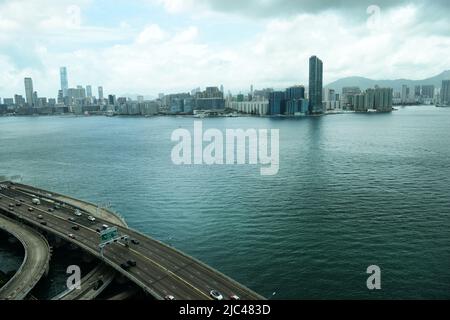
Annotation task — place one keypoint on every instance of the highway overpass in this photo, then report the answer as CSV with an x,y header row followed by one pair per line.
x,y
35,263
160,270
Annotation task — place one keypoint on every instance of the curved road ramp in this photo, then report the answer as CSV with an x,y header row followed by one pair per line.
x,y
160,270
35,263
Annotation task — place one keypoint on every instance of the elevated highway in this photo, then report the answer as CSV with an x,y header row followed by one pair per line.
x,y
35,263
160,270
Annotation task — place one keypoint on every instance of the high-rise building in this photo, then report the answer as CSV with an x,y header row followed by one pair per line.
x,y
29,91
276,100
296,92
445,92
100,93
405,94
315,85
89,91
19,100
428,91
64,81
417,91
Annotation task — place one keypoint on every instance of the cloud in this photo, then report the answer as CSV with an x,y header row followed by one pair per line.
x,y
175,57
278,8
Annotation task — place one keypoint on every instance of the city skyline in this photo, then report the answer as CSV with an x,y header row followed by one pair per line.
x,y
147,47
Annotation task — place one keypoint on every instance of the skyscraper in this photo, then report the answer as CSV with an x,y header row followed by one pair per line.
x,y
64,81
89,91
29,91
315,85
276,100
100,93
445,92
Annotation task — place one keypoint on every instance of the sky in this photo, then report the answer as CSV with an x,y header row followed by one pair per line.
x,y
152,46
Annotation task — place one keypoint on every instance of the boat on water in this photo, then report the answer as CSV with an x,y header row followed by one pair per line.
x,y
443,106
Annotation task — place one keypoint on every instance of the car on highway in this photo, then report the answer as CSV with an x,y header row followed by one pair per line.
x,y
124,266
51,210
77,213
56,207
131,263
75,227
40,217
98,230
98,284
36,201
234,297
134,241
18,204
216,295
91,218
11,205
169,297
30,209
72,219
43,223
105,226
71,235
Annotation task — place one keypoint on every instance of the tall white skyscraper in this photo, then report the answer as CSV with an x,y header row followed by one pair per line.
x,y
100,93
64,81
89,91
29,91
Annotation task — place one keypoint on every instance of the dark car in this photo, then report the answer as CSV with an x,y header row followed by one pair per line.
x,y
18,204
98,284
98,230
76,228
21,200
43,223
131,263
134,241
51,210
125,266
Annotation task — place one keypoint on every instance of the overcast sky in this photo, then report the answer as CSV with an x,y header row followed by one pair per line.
x,y
152,46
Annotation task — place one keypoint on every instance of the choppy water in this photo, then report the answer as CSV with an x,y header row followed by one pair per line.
x,y
352,191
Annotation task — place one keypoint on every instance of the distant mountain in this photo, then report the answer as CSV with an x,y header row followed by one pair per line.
x,y
365,83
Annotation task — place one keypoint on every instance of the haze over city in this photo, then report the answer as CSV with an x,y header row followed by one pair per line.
x,y
147,47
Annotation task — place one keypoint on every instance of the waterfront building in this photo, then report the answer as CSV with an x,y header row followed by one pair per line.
x,y
445,92
348,94
19,100
276,102
295,93
29,91
315,85
89,91
8,101
188,105
255,107
428,91
64,80
100,93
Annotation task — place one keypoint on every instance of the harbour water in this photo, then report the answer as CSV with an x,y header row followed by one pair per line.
x,y
353,190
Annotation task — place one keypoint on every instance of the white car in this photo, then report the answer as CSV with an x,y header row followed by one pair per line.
x,y
71,235
77,213
216,295
91,218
